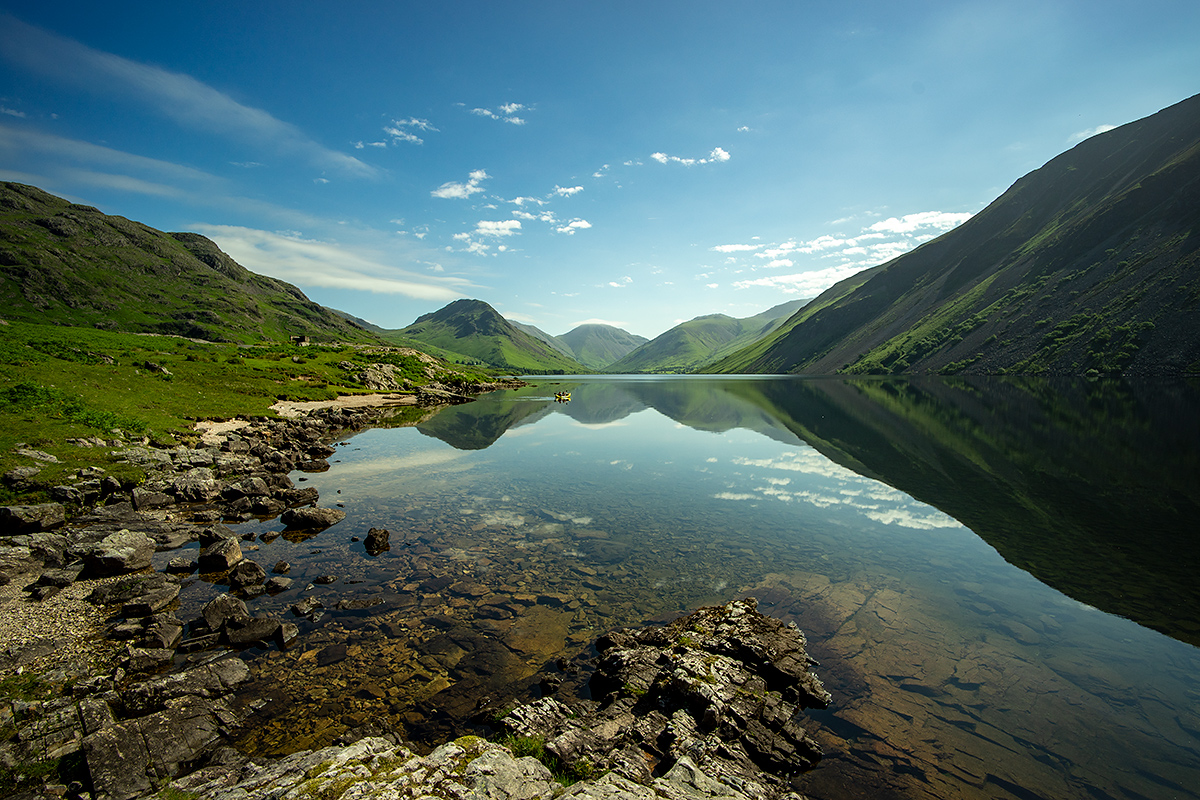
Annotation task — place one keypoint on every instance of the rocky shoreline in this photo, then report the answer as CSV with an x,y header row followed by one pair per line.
x,y
709,709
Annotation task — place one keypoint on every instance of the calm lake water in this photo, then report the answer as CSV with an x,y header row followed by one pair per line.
x,y
999,578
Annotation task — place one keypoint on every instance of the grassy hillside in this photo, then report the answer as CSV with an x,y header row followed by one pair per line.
x,y
73,265
1088,265
597,346
475,330
59,383
692,344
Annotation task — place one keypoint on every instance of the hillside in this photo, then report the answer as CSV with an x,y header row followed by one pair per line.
x,y
699,341
73,265
1088,265
597,346
476,330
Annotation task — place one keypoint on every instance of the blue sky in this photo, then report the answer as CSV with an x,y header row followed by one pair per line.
x,y
635,163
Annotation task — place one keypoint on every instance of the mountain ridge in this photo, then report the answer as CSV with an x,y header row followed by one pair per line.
x,y
1113,224
689,345
71,264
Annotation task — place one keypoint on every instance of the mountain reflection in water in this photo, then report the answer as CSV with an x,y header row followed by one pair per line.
x,y
838,503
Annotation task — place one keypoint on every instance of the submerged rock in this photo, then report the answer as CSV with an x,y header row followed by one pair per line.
x,y
311,518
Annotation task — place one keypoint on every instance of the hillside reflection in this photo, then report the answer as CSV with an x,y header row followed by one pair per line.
x,y
1092,487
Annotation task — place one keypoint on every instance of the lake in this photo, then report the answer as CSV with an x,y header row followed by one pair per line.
x,y
998,576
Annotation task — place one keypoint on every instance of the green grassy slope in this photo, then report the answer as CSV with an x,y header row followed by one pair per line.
x,y
475,330
692,344
59,383
1088,265
597,346
73,265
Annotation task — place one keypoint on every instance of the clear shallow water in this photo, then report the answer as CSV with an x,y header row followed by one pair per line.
x,y
523,528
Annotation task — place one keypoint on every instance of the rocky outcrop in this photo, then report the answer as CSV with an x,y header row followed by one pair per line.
x,y
722,688
468,767
31,519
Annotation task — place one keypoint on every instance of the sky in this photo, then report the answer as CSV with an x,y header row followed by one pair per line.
x,y
630,163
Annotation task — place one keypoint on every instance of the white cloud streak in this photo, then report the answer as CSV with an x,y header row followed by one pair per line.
x,y
308,262
453,190
188,102
716,156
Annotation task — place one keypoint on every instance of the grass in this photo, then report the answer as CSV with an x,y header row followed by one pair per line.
x,y
535,746
59,383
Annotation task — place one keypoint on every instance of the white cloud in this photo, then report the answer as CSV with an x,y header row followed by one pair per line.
x,y
506,227
308,262
733,248
399,130
940,220
190,103
453,190
573,225
567,191
507,113
1079,136
718,154
12,112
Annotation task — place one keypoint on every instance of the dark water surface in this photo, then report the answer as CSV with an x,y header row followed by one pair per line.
x,y
998,577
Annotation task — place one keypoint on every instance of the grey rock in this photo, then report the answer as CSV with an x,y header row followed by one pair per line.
x,y
221,609
123,551
311,518
246,573
220,556
151,602
197,485
31,519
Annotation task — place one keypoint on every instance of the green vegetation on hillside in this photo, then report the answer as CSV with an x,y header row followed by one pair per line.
x,y
59,383
690,345
73,265
474,330
1087,266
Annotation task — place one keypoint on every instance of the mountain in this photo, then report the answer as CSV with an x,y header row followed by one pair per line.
x,y
597,346
73,265
1088,265
538,333
474,329
699,341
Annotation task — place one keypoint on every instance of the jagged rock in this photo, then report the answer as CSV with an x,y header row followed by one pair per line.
x,y
723,686
197,485
123,551
311,518
278,584
151,602
377,541
30,519
124,591
253,632
220,556
221,609
246,573
148,499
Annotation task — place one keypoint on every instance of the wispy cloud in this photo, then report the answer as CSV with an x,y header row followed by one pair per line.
x,y
401,130
460,191
875,244
717,155
505,113
12,112
192,104
309,262
1079,136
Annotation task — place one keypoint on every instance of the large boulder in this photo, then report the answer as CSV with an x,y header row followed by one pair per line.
x,y
311,518
220,556
16,520
120,552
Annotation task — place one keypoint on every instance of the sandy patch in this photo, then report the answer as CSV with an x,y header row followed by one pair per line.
x,y
290,408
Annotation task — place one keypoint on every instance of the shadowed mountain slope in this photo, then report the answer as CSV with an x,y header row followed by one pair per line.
x,y
73,265
1088,265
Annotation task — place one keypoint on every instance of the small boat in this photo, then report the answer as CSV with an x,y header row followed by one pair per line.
x,y
562,397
